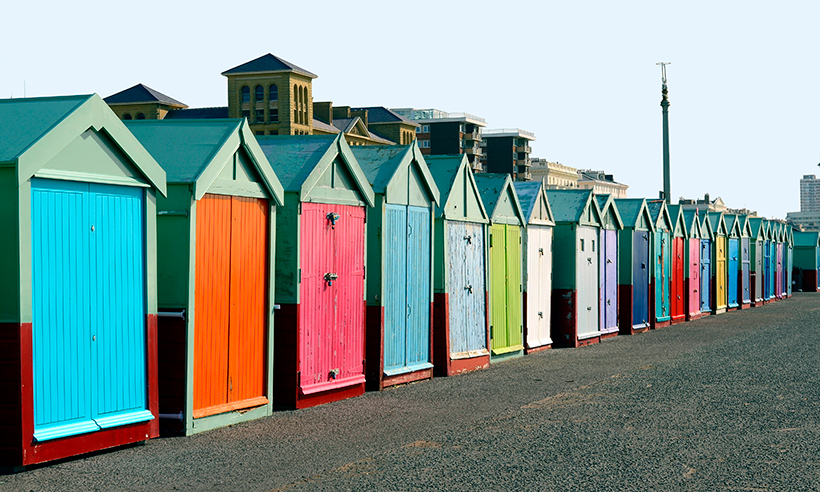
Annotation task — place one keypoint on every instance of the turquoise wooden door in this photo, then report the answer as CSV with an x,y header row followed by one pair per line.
x,y
88,307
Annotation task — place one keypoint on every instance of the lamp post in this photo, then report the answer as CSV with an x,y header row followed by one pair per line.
x,y
667,195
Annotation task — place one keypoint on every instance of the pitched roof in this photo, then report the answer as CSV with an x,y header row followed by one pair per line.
x,y
381,162
630,209
490,188
220,112
568,205
380,114
183,149
27,120
195,151
347,125
527,195
294,157
268,63
142,94
321,125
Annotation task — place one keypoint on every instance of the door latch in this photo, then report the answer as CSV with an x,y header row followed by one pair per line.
x,y
469,239
330,277
333,217
333,373
469,289
540,314
541,251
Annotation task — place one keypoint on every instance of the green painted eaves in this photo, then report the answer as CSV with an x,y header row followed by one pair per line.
x,y
631,210
445,170
568,206
807,239
31,144
529,193
606,206
660,214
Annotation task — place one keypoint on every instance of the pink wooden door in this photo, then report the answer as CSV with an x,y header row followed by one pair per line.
x,y
331,312
694,276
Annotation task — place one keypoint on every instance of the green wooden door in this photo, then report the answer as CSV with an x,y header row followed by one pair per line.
x,y
505,288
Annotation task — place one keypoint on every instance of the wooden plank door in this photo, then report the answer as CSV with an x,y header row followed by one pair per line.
x,y
677,296
513,288
720,273
608,280
758,270
418,275
395,280
694,276
538,249
745,267
587,281
732,267
768,285
475,273
662,267
705,275
230,320
348,301
640,279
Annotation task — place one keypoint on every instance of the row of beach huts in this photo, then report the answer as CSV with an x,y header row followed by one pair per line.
x,y
174,276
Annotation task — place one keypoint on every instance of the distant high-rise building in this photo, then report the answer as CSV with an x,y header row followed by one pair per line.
x,y
810,193
507,151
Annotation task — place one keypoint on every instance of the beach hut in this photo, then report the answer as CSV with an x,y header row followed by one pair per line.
x,y
694,234
575,300
633,265
506,223
660,314
757,237
536,264
732,261
770,259
777,238
745,268
807,258
78,280
400,255
677,280
788,251
215,251
608,264
460,323
719,290
320,266
706,247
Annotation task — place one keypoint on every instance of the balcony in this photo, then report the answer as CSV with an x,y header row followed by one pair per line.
x,y
522,163
523,176
474,150
472,136
523,148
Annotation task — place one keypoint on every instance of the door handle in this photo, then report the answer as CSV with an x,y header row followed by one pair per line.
x,y
330,277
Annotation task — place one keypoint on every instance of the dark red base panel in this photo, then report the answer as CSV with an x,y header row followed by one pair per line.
x,y
444,365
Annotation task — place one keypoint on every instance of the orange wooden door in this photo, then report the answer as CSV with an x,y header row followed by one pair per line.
x,y
231,299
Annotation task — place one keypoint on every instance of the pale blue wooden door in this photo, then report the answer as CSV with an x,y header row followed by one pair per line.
x,y
395,288
88,314
466,294
418,288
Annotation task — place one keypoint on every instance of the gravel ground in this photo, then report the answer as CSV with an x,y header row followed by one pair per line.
x,y
728,402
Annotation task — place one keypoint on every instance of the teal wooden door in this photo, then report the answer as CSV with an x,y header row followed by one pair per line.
x,y
88,307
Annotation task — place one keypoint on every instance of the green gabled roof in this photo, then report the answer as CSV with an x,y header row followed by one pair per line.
x,y
757,226
25,121
34,130
445,170
529,192
718,224
691,221
660,213
706,227
195,151
732,225
679,224
381,164
808,239
745,226
300,160
606,205
491,187
568,206
631,209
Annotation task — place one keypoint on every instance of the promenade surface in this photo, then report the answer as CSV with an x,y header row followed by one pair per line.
x,y
726,403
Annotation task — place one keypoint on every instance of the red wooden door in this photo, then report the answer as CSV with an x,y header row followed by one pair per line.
x,y
677,298
230,304
331,312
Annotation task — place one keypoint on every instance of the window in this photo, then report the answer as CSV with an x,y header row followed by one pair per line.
x,y
260,93
593,245
425,129
260,116
246,113
418,129
274,115
260,132
140,116
424,144
246,94
126,116
274,132
273,94
582,244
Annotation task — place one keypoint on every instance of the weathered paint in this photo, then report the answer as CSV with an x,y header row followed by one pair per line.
x,y
768,279
633,265
693,256
719,275
331,343
677,291
538,283
745,271
608,287
587,275
663,264
780,272
468,328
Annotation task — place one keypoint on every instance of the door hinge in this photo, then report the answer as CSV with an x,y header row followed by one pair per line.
x,y
299,208
364,272
300,275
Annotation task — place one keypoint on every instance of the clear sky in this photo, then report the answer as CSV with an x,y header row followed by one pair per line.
x,y
581,75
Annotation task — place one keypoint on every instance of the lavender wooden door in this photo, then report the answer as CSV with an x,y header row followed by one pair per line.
x,y
608,258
